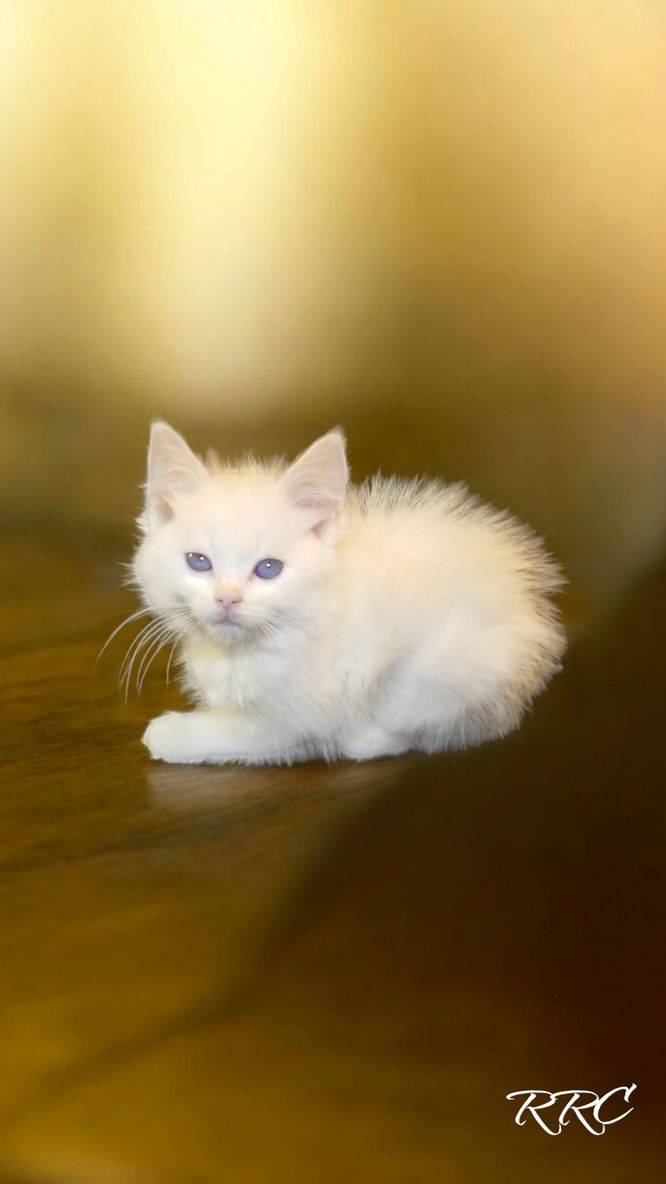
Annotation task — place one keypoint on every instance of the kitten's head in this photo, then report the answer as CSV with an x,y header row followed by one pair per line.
x,y
240,552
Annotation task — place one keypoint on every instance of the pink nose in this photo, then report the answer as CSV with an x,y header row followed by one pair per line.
x,y
228,601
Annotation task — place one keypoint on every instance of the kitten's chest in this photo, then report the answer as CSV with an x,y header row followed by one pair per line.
x,y
240,680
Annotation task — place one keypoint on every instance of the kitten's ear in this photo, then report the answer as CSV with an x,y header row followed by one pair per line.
x,y
172,469
318,478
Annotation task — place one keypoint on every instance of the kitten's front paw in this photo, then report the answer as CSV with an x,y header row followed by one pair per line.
x,y
168,738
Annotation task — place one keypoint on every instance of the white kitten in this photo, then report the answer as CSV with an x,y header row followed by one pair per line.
x,y
319,619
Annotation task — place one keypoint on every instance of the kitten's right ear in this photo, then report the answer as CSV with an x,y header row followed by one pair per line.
x,y
173,469
317,479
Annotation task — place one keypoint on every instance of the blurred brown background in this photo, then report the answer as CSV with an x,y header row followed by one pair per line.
x,y
440,224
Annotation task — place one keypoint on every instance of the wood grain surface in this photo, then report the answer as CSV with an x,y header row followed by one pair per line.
x,y
319,974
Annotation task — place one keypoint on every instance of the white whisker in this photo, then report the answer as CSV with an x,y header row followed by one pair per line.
x,y
142,612
145,637
172,630
171,657
149,657
133,648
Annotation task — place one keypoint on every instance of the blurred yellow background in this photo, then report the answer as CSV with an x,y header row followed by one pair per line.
x,y
439,224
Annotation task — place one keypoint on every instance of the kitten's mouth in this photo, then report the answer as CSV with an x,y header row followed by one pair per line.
x,y
224,624
228,629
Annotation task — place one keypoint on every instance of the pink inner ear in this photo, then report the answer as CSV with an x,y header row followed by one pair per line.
x,y
317,479
316,503
164,506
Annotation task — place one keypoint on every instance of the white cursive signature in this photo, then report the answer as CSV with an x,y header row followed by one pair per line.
x,y
567,1102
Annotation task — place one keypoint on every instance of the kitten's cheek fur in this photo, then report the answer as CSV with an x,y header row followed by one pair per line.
x,y
168,738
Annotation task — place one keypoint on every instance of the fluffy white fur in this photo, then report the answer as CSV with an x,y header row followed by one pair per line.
x,y
408,615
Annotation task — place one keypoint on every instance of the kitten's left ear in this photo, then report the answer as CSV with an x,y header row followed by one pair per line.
x,y
318,478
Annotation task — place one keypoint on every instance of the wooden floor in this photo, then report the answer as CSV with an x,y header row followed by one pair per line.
x,y
314,975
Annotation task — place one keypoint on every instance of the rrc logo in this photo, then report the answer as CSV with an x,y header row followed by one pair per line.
x,y
593,1112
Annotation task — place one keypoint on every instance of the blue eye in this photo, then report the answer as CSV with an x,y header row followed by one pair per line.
x,y
268,569
198,562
